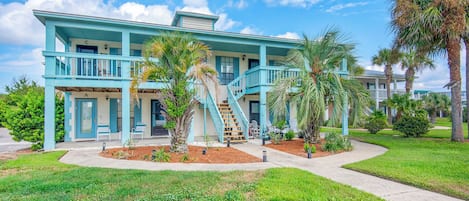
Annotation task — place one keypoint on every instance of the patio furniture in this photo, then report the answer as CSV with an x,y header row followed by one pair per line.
x,y
103,130
138,130
254,129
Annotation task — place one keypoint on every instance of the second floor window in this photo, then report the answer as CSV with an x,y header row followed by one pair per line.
x,y
227,73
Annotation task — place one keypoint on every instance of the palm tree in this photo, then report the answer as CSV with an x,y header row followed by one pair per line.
x,y
319,84
435,27
403,104
412,62
180,64
434,102
465,38
387,58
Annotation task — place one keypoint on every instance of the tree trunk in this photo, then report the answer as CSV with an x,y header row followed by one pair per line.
x,y
388,74
409,80
454,63
466,43
312,134
433,117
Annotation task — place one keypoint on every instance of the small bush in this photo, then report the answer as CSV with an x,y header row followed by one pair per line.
x,y
376,122
275,137
289,135
162,156
337,142
307,146
413,125
185,157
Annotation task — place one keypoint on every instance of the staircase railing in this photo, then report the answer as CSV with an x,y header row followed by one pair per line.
x,y
238,111
204,96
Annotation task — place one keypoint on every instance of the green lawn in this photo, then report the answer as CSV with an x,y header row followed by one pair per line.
x,y
42,177
431,163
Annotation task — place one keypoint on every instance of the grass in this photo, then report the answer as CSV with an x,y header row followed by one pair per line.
x,y
42,177
430,163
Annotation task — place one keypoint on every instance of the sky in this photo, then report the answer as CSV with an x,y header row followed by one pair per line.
x,y
364,22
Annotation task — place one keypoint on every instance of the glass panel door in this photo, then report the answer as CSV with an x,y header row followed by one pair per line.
x,y
157,120
254,111
86,118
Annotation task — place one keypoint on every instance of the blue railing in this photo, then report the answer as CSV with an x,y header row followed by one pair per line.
x,y
238,112
92,66
216,116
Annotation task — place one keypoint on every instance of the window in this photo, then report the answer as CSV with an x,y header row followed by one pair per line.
x,y
227,73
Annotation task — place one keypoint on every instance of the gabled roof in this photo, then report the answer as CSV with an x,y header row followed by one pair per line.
x,y
180,14
380,74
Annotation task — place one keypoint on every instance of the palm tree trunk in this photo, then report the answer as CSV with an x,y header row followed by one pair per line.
x,y
466,43
388,74
409,79
312,134
454,63
433,117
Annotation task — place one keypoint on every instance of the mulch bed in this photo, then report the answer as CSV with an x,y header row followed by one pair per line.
x,y
296,147
213,155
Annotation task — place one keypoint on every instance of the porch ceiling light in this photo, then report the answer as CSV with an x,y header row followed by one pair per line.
x,y
244,57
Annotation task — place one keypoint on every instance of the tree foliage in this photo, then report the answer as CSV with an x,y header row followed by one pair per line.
x,y
23,113
435,102
376,122
319,86
179,64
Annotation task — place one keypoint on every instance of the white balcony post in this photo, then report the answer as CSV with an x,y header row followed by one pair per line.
x,y
395,86
377,93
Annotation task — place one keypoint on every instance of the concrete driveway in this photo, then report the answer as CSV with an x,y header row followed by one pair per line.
x,y
7,144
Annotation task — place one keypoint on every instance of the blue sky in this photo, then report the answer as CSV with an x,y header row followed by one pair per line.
x,y
364,22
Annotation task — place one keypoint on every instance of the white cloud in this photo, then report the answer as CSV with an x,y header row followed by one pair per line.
x,y
237,4
344,6
250,30
18,21
224,23
294,3
289,35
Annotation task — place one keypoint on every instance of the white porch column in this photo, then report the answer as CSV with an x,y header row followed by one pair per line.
x,y
377,93
395,86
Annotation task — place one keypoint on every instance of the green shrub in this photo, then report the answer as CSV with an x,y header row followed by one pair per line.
x,y
162,156
413,124
185,157
289,135
307,146
337,142
376,122
275,137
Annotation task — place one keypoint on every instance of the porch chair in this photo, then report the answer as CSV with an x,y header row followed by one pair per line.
x,y
254,129
138,130
103,130
271,128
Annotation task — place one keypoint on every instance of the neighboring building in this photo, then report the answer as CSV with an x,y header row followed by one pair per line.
x,y
375,81
94,73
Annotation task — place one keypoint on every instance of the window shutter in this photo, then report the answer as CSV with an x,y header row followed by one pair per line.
x,y
138,112
235,67
218,65
113,115
271,63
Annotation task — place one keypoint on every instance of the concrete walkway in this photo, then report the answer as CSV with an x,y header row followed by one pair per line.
x,y
8,145
329,167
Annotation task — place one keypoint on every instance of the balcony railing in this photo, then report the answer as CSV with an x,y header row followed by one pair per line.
x,y
382,93
92,66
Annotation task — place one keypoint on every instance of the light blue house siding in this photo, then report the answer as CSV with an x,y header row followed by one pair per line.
x,y
113,47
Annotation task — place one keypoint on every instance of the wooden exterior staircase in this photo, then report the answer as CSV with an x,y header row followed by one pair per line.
x,y
232,130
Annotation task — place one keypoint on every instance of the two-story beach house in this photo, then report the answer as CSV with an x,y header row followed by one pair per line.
x,y
95,70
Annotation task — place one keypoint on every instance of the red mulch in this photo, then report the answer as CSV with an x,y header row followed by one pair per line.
x,y
296,147
213,155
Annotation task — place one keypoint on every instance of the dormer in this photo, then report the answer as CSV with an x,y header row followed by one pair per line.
x,y
194,20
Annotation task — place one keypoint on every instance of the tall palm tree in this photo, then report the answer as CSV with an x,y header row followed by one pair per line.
x,y
319,84
434,102
179,56
465,38
435,27
388,58
412,62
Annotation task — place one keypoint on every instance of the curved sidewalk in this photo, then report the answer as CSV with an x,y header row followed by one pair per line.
x,y
329,167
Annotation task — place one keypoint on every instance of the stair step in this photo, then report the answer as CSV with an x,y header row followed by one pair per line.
x,y
236,141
